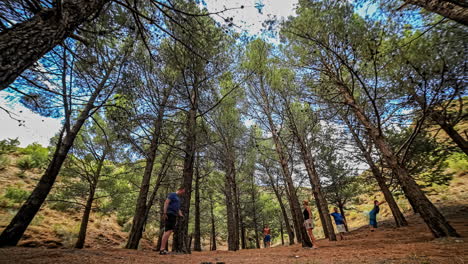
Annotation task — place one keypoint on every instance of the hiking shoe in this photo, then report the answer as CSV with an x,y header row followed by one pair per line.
x,y
163,252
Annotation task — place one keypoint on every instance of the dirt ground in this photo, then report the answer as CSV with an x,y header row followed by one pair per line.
x,y
412,244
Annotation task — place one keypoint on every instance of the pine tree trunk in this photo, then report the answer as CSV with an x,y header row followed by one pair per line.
x,y
242,226
436,222
213,226
254,203
341,207
438,116
230,211
296,212
14,231
140,216
282,232
181,233
161,223
236,209
309,163
450,131
197,232
322,204
25,43
397,214
84,220
282,207
453,9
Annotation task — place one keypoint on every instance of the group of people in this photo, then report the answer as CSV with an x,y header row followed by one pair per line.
x,y
172,210
340,223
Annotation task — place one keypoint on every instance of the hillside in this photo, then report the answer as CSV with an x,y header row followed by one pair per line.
x,y
58,229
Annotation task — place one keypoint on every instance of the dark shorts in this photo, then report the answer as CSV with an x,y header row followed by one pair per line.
x,y
170,222
267,238
373,222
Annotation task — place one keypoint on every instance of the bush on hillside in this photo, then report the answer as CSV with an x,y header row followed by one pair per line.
x,y
458,162
38,154
17,195
4,161
25,163
8,145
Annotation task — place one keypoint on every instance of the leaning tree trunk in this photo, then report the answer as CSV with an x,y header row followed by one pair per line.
x,y
181,237
139,217
282,207
322,204
397,214
450,131
341,207
453,9
296,212
14,231
142,206
84,220
309,163
438,117
25,43
436,222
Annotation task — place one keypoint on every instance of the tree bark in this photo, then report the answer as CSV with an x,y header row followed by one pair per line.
x,y
13,232
341,207
397,214
84,220
139,217
450,130
296,212
25,43
254,207
453,9
282,232
436,222
213,226
181,233
197,232
309,163
230,208
282,207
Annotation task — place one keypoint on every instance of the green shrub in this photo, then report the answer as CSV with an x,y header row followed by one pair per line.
x,y
38,155
4,161
17,195
458,161
8,145
25,163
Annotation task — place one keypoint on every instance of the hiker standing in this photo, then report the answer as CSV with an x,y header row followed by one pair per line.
x,y
340,222
171,210
373,215
308,222
266,236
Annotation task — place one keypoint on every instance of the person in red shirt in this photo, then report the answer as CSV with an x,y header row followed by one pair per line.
x,y
266,236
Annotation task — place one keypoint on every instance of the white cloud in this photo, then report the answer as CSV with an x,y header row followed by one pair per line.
x,y
34,128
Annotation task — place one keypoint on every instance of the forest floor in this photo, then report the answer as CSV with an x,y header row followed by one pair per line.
x,y
410,245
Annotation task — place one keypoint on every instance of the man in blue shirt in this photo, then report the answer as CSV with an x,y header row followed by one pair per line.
x,y
340,222
171,210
